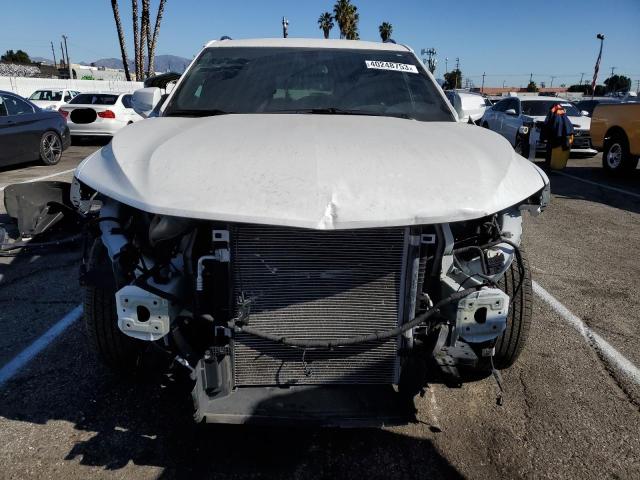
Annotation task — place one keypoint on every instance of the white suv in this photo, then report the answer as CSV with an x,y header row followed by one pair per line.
x,y
508,115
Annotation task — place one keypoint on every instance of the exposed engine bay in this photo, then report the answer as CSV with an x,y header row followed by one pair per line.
x,y
255,313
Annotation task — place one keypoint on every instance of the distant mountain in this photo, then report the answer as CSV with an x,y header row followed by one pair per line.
x,y
163,63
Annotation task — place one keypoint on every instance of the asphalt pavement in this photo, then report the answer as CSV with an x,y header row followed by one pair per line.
x,y
570,410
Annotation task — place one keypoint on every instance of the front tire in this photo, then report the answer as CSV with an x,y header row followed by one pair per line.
x,y
50,148
116,350
616,157
518,286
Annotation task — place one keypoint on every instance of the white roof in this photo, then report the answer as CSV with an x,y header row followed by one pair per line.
x,y
540,98
308,43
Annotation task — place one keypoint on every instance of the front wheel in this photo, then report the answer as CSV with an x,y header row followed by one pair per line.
x,y
50,148
118,351
616,156
517,284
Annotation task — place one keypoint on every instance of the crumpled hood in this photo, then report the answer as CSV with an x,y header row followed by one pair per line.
x,y
312,171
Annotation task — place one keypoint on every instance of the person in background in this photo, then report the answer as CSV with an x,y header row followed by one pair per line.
x,y
557,131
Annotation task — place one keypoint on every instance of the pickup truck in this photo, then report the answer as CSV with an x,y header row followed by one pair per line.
x,y
615,130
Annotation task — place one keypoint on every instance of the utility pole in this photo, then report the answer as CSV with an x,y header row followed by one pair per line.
x,y
458,79
66,48
285,27
446,64
552,78
596,69
482,88
612,70
531,78
54,56
63,61
581,77
503,82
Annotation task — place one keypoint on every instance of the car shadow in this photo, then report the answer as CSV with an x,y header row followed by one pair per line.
x,y
598,186
148,422
90,141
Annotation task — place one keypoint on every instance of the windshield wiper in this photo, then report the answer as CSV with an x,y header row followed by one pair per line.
x,y
343,111
196,113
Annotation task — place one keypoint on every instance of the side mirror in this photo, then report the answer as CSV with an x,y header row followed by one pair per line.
x,y
584,113
144,100
510,111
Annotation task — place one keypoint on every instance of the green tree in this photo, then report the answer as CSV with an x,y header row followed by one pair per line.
x,y
347,16
453,79
325,23
585,89
18,57
532,87
617,83
385,29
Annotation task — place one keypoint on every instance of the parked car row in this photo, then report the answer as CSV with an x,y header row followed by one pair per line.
x,y
28,132
615,130
41,127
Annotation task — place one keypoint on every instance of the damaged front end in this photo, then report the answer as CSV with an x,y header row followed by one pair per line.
x,y
337,327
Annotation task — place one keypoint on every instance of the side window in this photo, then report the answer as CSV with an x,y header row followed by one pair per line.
x,y
501,106
3,108
15,106
511,103
67,96
126,101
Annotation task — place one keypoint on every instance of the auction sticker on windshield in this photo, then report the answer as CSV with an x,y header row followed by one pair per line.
x,y
398,67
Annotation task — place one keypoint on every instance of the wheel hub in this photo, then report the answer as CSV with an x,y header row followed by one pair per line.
x,y
614,155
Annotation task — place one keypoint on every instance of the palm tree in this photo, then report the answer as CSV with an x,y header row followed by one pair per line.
x,y
345,13
123,46
136,39
144,34
152,41
352,28
325,22
386,29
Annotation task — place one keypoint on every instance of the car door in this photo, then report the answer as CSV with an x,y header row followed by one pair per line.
x,y
22,128
511,122
129,112
493,116
7,142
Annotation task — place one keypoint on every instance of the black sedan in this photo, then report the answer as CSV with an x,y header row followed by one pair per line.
x,y
27,132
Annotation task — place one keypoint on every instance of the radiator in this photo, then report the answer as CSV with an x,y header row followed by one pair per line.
x,y
308,284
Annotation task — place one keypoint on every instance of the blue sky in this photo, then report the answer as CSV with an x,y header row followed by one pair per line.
x,y
506,39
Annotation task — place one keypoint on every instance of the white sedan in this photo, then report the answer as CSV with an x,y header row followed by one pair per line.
x,y
510,114
52,99
99,114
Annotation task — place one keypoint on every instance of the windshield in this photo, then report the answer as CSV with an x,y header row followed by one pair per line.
x,y
540,108
48,95
94,99
300,80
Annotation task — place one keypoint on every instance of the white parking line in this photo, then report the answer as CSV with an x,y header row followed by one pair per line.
x,y
26,355
37,179
599,343
608,187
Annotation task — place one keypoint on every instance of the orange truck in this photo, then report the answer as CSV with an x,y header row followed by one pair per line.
x,y
615,130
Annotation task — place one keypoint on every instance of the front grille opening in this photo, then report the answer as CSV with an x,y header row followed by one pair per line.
x,y
322,285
